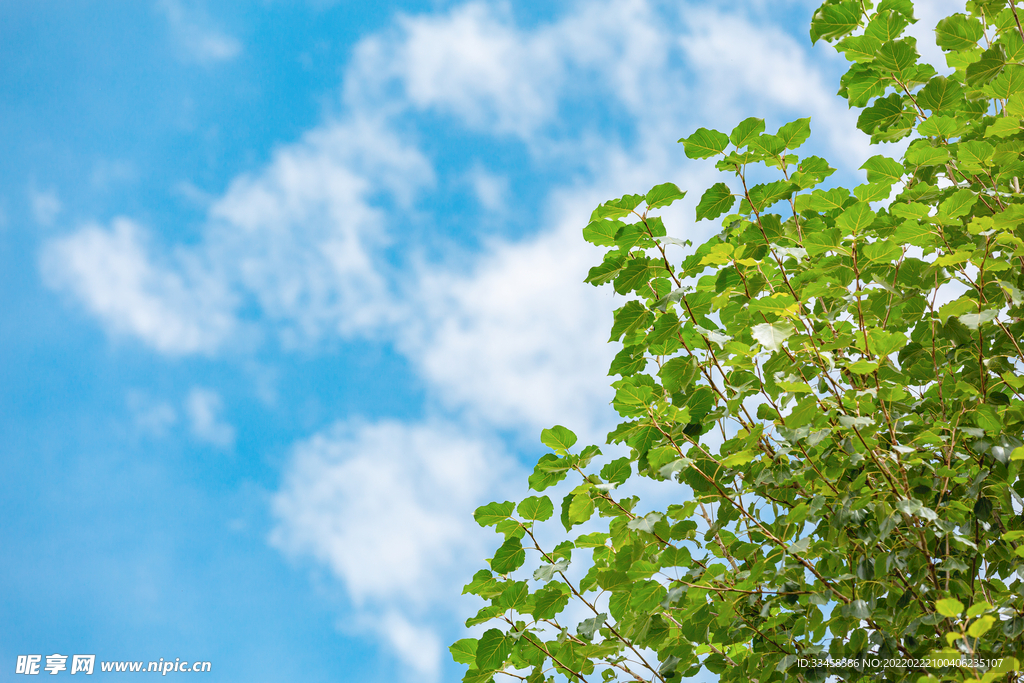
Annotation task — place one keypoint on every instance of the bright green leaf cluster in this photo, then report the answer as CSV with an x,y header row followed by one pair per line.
x,y
834,384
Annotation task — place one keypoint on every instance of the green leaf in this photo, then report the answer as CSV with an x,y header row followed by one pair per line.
x,y
536,508
592,540
558,438
677,373
509,557
882,343
974,155
940,94
705,143
885,112
897,56
550,600
981,626
1003,127
958,204
549,471
795,133
949,607
515,596
602,232
635,275
663,195
904,7
771,335
987,68
833,21
823,200
764,195
861,83
747,130
937,125
633,316
580,508
923,155
464,651
483,584
492,513
493,649
882,169
856,218
1008,83
716,200
859,48
958,32
617,471
820,241
886,26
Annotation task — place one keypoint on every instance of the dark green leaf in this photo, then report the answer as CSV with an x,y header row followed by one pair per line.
x,y
897,56
885,112
633,316
634,276
987,68
832,21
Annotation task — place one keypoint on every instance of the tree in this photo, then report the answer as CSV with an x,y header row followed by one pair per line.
x,y
834,385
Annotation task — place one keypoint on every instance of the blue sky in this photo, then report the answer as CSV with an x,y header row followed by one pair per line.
x,y
291,287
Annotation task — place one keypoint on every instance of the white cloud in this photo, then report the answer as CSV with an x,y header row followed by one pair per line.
x,y
176,307
302,238
520,340
420,648
45,205
197,39
204,407
387,506
306,232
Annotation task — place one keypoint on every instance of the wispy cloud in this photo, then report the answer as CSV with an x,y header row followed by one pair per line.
x,y
196,38
204,407
45,205
387,506
176,307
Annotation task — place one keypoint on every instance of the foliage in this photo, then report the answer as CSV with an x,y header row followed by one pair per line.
x,y
835,382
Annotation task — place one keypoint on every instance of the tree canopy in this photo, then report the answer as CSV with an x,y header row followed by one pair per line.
x,y
834,386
